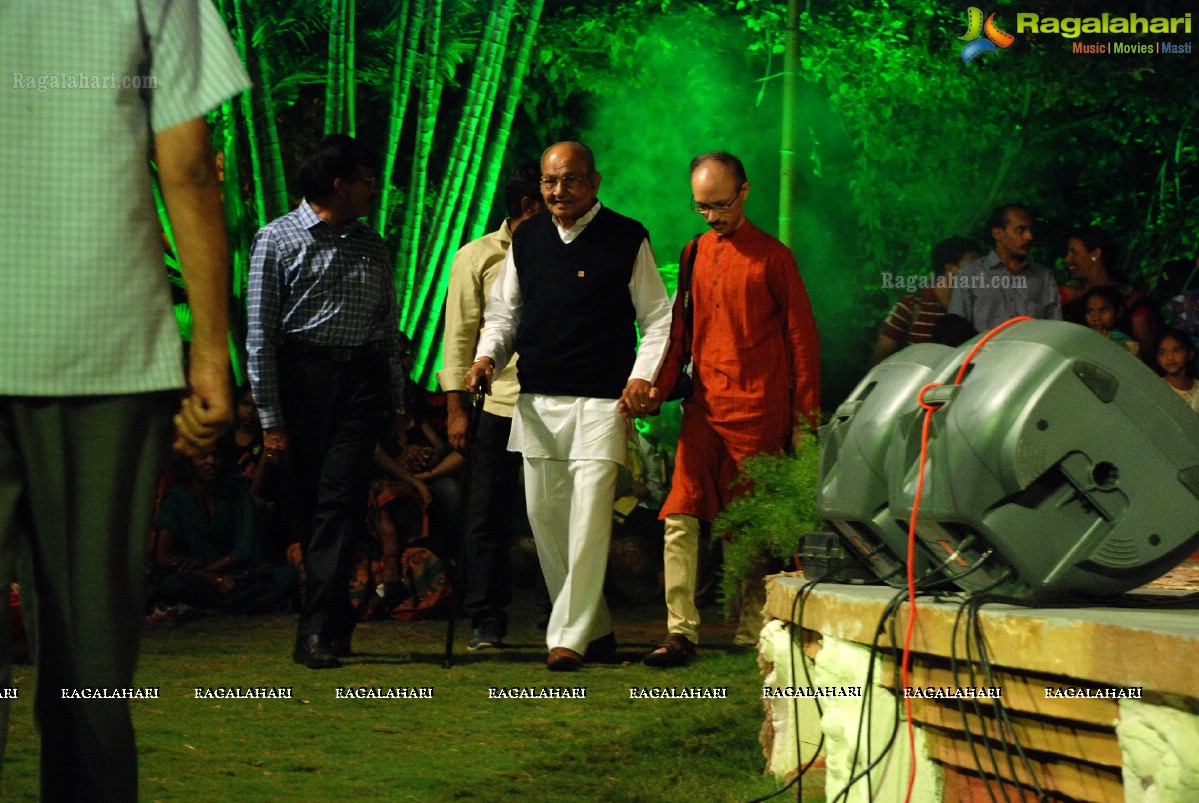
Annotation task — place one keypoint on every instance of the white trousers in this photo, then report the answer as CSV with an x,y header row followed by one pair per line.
x,y
680,555
570,510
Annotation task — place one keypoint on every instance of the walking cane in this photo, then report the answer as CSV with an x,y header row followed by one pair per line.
x,y
458,570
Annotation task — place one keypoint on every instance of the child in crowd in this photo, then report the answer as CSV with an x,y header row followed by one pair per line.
x,y
1103,306
1176,362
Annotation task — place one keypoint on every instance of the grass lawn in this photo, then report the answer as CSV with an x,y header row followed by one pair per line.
x,y
459,745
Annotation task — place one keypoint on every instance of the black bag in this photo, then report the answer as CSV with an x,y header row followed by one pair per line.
x,y
682,386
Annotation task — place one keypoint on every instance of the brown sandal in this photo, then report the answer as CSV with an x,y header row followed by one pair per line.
x,y
676,650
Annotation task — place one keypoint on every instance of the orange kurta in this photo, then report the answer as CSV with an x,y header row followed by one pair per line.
x,y
756,364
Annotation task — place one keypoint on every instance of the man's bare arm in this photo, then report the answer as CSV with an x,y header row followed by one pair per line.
x,y
187,175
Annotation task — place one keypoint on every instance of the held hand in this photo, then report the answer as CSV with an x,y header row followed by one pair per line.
x,y
480,375
207,409
639,399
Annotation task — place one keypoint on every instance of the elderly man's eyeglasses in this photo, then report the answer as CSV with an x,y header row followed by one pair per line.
x,y
568,181
719,206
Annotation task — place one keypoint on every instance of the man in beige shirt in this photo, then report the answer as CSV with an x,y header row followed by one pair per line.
x,y
494,470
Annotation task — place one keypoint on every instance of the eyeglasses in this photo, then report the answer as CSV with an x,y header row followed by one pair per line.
x,y
719,206
568,181
368,179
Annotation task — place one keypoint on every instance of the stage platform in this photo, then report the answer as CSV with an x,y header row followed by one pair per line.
x,y
1103,701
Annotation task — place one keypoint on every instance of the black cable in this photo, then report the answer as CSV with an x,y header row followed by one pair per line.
x,y
798,779
868,704
1000,708
953,668
800,600
986,738
975,625
889,612
973,632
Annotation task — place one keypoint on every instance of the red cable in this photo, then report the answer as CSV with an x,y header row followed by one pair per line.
x,y
929,409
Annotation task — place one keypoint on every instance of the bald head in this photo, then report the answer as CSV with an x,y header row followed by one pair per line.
x,y
719,189
569,183
576,149
721,157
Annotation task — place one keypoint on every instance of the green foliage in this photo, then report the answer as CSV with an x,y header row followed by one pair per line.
x,y
901,144
770,519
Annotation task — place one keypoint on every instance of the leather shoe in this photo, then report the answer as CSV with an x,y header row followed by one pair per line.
x,y
340,647
602,650
676,650
314,654
563,659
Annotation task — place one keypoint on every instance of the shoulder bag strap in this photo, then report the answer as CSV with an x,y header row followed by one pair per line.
x,y
685,272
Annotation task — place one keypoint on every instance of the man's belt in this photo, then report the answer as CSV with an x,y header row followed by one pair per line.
x,y
298,348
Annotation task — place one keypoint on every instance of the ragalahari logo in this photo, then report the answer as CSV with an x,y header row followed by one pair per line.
x,y
975,46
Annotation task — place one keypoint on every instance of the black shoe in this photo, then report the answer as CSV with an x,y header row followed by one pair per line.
x,y
486,636
676,650
340,647
314,654
602,650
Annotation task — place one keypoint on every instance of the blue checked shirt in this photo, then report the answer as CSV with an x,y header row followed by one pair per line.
x,y
324,288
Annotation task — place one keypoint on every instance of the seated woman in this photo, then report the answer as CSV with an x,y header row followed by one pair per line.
x,y
415,502
206,548
435,463
1092,255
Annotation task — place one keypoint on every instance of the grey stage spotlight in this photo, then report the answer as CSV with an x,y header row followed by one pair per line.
x,y
1061,466
853,496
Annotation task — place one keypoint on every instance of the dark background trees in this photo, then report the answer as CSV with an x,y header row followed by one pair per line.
x,y
898,143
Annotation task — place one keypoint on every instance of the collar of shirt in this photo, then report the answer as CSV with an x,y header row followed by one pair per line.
x,y
306,215
993,261
574,231
504,232
309,219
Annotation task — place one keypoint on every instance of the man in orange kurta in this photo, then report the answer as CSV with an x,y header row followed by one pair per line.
x,y
756,376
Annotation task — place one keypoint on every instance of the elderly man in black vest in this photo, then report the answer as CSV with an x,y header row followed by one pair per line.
x,y
577,284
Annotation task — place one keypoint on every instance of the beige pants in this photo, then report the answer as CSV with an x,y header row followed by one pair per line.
x,y
680,555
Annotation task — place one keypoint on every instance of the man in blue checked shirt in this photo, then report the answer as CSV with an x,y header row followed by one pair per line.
x,y
324,363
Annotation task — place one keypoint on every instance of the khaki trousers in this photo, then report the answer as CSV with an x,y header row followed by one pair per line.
x,y
680,556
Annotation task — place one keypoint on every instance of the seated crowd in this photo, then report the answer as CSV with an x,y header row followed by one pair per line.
x,y
223,540
950,310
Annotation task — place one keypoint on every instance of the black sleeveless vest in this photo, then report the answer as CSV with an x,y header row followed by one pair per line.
x,y
577,334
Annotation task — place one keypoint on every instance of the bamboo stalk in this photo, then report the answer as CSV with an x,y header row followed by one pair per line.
x,y
403,65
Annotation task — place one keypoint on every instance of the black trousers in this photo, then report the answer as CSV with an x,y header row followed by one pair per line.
x,y
494,491
334,412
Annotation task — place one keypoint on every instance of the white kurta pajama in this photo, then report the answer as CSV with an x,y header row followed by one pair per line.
x,y
572,447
